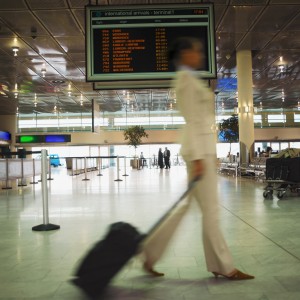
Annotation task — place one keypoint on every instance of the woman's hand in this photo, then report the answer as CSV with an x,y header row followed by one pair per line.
x,y
198,168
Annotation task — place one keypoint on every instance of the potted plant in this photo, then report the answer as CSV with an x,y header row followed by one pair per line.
x,y
229,131
134,135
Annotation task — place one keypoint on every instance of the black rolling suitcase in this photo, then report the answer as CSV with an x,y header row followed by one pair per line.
x,y
109,255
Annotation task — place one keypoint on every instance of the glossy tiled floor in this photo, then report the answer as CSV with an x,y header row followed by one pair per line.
x,y
262,234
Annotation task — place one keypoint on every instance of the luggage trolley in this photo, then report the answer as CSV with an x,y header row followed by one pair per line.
x,y
282,174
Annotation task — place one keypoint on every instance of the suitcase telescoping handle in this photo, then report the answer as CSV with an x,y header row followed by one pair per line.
x,y
191,185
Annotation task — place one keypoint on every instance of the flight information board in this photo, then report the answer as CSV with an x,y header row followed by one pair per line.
x,y
130,43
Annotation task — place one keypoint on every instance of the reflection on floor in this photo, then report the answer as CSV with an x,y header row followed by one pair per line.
x,y
262,234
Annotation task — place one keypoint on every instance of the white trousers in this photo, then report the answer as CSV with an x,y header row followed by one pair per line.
x,y
217,254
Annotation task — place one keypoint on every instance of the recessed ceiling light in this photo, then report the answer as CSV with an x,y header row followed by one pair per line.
x,y
58,81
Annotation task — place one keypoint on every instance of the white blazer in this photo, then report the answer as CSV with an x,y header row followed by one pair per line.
x,y
196,104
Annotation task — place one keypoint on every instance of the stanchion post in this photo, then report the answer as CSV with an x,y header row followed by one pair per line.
x,y
118,170
85,171
22,174
76,168
46,226
100,166
138,164
72,166
49,165
7,178
125,167
33,177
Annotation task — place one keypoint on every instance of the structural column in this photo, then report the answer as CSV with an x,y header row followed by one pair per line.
x,y
245,105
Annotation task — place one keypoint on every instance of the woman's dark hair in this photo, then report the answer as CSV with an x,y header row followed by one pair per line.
x,y
180,44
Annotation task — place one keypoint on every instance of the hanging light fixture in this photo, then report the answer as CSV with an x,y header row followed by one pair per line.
x,y
15,50
44,70
282,95
69,90
281,64
16,91
35,100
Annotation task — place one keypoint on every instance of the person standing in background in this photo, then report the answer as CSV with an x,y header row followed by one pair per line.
x,y
167,155
143,160
160,159
196,104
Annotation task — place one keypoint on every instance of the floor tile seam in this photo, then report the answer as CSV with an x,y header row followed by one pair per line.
x,y
261,233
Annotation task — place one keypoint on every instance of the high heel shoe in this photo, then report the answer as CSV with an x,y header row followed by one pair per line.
x,y
237,275
151,271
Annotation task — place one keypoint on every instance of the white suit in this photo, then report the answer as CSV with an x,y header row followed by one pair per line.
x,y
196,104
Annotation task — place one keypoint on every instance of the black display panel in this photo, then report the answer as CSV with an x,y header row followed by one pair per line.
x,y
130,43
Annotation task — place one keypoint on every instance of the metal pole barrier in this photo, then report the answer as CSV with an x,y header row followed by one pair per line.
x,y
100,166
22,172
6,181
49,178
74,165
46,226
85,177
33,177
72,159
150,162
125,167
118,170
76,168
138,164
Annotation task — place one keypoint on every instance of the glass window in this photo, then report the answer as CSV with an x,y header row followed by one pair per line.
x,y
297,118
277,118
284,145
295,144
257,118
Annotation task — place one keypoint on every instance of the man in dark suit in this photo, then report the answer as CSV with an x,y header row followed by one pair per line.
x,y
167,155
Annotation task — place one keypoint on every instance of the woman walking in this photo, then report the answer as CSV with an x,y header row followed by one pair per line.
x,y
196,104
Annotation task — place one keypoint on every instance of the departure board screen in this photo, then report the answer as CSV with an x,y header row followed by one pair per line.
x,y
130,43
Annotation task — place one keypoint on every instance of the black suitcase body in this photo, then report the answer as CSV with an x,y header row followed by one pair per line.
x,y
276,169
286,169
107,257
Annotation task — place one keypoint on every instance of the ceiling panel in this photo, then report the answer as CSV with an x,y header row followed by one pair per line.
x,y
66,26
284,2
5,31
80,17
47,4
256,40
169,2
22,23
219,11
275,17
45,46
72,44
248,2
13,4
78,3
287,40
239,18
